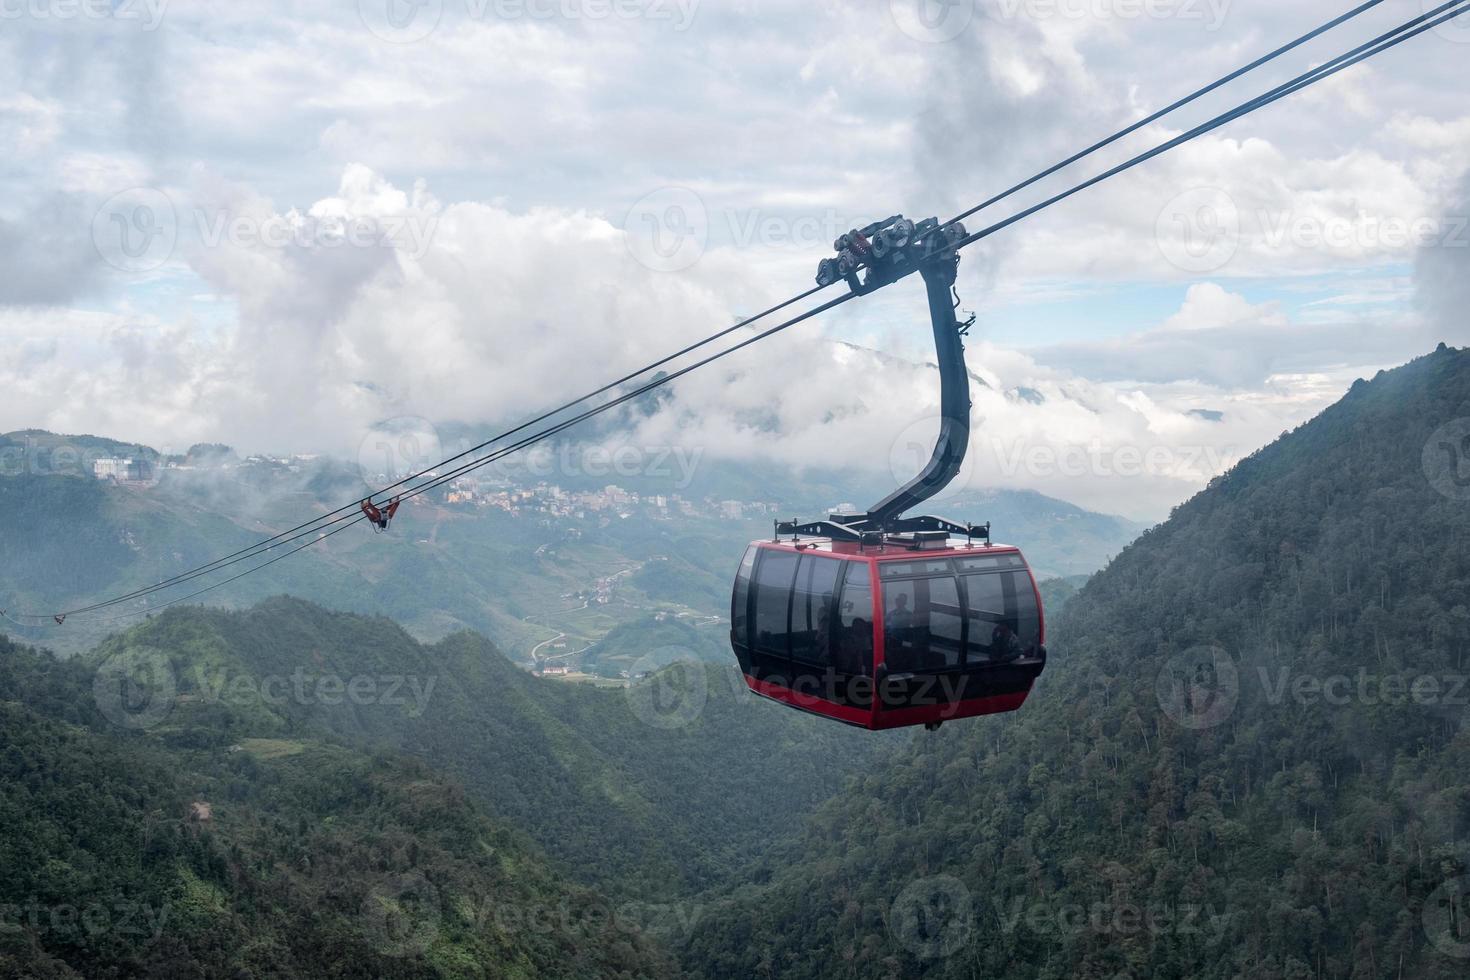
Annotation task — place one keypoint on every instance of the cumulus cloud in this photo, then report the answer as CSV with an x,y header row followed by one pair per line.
x,y
471,313
485,173
1219,338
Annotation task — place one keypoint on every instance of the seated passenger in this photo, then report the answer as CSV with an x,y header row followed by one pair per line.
x,y
899,619
824,637
1004,643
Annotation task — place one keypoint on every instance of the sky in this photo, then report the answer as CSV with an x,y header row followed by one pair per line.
x,y
292,226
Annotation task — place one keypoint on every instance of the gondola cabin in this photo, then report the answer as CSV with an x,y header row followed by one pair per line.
x,y
888,636
882,620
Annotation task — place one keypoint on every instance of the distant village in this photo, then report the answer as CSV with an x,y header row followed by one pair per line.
x,y
610,501
542,499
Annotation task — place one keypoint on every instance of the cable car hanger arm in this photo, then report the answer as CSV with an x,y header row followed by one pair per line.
x,y
891,250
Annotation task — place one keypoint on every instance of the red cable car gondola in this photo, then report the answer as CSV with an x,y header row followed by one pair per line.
x,y
880,620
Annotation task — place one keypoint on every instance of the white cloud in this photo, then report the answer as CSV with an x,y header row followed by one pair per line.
x,y
513,149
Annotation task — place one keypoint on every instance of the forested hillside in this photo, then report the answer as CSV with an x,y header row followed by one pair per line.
x,y
127,854
1249,756
659,790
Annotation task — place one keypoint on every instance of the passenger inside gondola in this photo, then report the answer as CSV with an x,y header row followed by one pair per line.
x,y
1004,643
899,618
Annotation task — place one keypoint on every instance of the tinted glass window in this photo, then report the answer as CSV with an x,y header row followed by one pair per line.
x,y
811,609
774,575
922,622
899,569
740,600
1003,619
945,619
855,622
986,594
1028,616
990,561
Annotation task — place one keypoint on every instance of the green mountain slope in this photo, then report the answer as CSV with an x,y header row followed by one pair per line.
x,y
138,855
1249,756
660,790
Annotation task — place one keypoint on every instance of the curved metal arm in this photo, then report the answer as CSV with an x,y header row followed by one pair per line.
x,y
954,400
